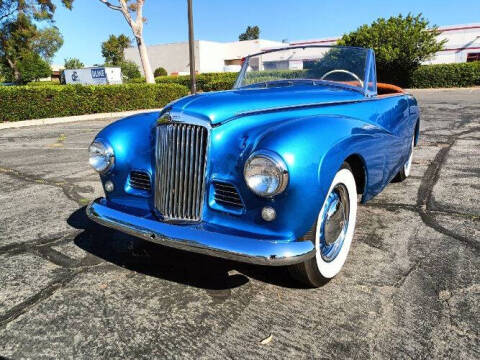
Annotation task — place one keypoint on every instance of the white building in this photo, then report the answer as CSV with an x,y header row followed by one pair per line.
x,y
210,56
463,44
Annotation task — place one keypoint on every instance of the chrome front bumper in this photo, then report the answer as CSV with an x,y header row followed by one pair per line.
x,y
199,240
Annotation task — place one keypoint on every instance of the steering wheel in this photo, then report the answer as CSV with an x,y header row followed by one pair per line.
x,y
343,72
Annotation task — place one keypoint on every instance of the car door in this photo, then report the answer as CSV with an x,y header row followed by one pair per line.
x,y
393,116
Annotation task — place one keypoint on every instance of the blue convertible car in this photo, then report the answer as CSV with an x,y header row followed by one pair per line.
x,y
268,172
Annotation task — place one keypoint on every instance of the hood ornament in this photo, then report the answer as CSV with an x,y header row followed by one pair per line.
x,y
164,119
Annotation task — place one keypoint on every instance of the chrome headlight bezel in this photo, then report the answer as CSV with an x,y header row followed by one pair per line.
x,y
101,150
278,165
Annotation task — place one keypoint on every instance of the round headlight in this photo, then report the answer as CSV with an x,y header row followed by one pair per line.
x,y
266,173
101,156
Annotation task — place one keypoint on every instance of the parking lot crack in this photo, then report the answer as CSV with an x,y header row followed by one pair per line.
x,y
55,257
425,193
70,190
40,296
19,247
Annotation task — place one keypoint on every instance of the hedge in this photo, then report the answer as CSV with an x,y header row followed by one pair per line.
x,y
43,83
31,102
225,81
447,75
47,100
205,81
217,85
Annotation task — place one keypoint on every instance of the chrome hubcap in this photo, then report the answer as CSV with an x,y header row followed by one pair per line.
x,y
334,222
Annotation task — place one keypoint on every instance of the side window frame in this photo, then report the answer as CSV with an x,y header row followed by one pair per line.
x,y
370,84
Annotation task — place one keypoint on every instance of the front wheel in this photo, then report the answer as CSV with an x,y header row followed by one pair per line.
x,y
332,233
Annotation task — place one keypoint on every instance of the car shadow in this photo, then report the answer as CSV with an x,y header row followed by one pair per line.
x,y
198,270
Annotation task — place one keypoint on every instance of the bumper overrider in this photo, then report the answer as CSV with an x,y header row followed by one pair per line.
x,y
200,240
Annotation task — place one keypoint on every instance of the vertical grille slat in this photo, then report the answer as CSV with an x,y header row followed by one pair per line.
x,y
195,180
180,170
190,171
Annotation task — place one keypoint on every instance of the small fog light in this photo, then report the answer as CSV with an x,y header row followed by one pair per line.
x,y
268,213
108,186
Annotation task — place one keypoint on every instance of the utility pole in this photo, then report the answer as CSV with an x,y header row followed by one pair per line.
x,y
191,47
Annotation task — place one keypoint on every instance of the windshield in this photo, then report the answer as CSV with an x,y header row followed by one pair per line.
x,y
300,65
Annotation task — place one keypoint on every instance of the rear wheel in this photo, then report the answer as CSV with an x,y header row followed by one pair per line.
x,y
332,233
405,170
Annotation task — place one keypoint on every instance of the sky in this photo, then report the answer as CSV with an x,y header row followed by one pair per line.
x,y
90,22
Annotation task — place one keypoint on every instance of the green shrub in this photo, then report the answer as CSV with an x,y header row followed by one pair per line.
x,y
140,80
447,75
130,70
202,80
160,72
217,85
43,83
226,80
31,102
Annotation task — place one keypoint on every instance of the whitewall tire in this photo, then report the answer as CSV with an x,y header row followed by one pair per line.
x,y
332,232
406,168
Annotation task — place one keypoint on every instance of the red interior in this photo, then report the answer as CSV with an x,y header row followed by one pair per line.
x,y
388,89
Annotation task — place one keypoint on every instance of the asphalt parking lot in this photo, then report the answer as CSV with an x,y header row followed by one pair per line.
x,y
410,287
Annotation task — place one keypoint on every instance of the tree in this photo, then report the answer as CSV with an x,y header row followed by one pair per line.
x,y
15,42
73,63
47,42
33,67
130,70
130,8
7,9
160,72
34,9
252,33
401,44
20,37
113,48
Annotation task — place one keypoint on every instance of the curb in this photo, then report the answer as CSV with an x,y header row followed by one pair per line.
x,y
444,89
68,119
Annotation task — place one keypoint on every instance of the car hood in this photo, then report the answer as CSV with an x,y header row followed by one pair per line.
x,y
218,107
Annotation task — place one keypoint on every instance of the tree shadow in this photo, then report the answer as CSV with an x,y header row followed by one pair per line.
x,y
198,270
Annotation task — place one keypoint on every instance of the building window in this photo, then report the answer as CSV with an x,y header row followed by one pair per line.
x,y
233,62
473,57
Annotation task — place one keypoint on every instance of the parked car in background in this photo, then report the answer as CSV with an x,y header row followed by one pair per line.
x,y
265,173
92,76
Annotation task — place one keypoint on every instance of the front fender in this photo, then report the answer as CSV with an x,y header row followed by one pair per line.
x,y
314,149
133,143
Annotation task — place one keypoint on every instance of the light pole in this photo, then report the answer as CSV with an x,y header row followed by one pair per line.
x,y
191,48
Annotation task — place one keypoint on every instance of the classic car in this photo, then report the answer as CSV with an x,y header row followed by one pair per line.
x,y
269,172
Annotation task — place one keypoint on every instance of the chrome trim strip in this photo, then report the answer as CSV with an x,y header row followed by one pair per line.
x,y
232,247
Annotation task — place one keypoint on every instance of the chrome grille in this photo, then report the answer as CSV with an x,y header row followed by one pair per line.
x,y
180,169
227,195
139,180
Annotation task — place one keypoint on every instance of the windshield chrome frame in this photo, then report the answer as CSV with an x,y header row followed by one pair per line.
x,y
369,67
